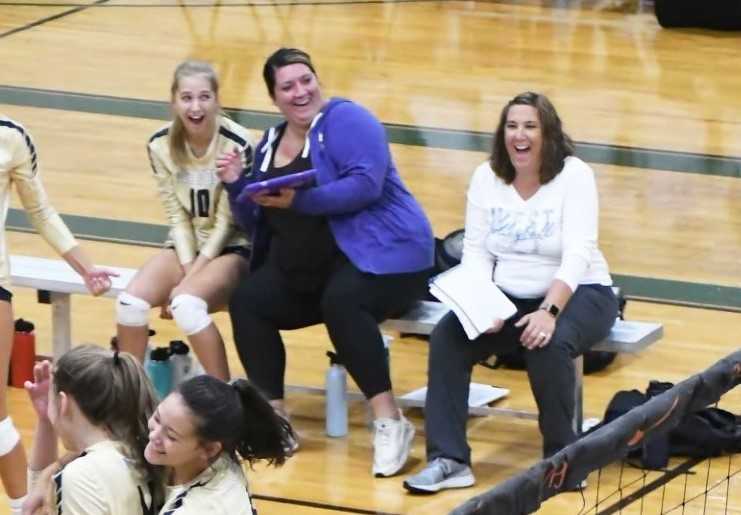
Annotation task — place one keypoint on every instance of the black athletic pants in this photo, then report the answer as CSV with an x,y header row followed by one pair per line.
x,y
351,304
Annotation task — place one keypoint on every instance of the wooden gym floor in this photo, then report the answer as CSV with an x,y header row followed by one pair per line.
x,y
656,112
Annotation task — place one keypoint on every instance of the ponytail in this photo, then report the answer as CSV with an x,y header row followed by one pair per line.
x,y
113,392
264,434
239,417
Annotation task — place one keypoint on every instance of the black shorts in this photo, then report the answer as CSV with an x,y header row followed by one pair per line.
x,y
6,295
240,250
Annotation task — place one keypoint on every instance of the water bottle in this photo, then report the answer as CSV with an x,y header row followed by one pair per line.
x,y
336,400
159,371
23,354
180,361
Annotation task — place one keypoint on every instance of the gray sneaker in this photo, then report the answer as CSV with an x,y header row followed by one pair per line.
x,y
439,474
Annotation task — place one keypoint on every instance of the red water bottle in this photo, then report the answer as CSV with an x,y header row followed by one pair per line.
x,y
23,355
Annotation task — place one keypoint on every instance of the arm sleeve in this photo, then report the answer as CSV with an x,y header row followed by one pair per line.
x,y
44,218
357,145
181,227
579,226
475,253
222,230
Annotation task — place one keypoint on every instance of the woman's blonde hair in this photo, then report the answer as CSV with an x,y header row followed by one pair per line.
x,y
187,68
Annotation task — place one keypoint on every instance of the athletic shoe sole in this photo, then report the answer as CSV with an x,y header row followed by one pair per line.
x,y
451,482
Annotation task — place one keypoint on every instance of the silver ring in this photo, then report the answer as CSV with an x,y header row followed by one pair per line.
x,y
543,335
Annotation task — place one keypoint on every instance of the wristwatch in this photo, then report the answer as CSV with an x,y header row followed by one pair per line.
x,y
551,308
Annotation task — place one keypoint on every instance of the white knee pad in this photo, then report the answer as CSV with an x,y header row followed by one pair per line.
x,y
190,313
132,311
9,436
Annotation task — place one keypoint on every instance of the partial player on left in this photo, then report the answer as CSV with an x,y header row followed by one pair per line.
x,y
19,165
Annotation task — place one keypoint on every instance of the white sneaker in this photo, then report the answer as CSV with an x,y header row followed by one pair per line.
x,y
392,442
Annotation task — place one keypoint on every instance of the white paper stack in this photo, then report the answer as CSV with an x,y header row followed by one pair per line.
x,y
479,395
476,303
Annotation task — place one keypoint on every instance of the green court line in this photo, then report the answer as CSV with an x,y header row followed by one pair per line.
x,y
654,159
98,229
153,235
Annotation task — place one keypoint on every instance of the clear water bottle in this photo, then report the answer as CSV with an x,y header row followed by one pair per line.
x,y
336,399
159,371
181,362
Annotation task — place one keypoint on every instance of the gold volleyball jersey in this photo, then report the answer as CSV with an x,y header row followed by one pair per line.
x,y
195,200
219,490
102,481
19,165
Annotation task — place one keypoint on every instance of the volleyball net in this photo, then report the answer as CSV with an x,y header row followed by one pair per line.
x,y
701,482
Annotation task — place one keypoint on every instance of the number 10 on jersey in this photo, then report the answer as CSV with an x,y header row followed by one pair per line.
x,y
199,203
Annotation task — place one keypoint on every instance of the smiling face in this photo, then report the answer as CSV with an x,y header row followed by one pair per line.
x,y
196,104
297,94
173,441
523,137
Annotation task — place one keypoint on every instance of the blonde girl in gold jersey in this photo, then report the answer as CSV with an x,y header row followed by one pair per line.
x,y
205,255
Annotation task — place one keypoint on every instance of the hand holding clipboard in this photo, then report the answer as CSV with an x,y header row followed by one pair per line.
x,y
275,185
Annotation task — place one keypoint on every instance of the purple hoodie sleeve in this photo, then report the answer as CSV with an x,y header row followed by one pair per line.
x,y
356,144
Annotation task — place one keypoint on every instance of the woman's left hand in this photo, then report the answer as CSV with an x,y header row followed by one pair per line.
x,y
282,200
539,326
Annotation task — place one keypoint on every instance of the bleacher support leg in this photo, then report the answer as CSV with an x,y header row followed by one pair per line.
x,y
61,327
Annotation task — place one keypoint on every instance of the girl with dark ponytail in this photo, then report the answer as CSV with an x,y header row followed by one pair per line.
x,y
200,433
98,402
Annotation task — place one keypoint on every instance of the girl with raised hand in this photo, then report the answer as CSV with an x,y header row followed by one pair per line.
x,y
98,402
204,256
200,432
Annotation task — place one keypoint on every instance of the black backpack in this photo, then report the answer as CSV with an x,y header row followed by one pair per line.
x,y
704,433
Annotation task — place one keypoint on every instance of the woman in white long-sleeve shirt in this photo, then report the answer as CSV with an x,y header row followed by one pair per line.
x,y
531,227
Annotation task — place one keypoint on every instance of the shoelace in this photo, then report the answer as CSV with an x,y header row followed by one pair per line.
x,y
443,465
383,433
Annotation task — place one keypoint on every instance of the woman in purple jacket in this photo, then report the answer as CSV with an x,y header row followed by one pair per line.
x,y
350,251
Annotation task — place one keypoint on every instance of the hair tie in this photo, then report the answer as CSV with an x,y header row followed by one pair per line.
x,y
116,359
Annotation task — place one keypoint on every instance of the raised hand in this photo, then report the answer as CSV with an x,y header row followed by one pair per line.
x,y
38,389
229,166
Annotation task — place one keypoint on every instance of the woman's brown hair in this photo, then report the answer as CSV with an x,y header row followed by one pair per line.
x,y
557,145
